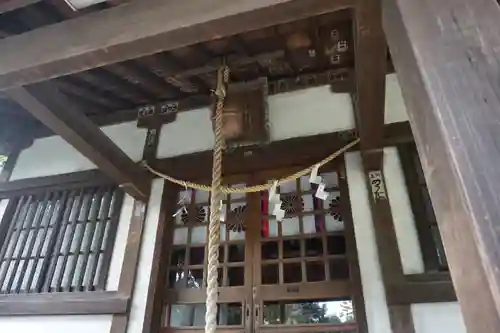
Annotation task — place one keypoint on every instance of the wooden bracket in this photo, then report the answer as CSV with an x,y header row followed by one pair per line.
x,y
153,116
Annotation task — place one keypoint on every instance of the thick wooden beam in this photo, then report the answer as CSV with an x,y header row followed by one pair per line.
x,y
281,154
10,5
140,28
408,293
370,71
59,115
447,60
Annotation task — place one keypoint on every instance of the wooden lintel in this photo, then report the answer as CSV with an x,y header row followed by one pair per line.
x,y
446,56
408,293
281,154
370,71
140,28
85,136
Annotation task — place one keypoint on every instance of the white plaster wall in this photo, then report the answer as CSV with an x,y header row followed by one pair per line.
x,y
404,221
120,243
377,312
56,324
395,109
52,155
189,133
299,113
438,318
309,112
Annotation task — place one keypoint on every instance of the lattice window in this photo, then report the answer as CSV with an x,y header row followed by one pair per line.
x,y
59,241
188,260
309,244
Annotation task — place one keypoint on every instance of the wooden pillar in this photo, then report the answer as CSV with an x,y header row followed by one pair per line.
x,y
385,236
446,56
131,259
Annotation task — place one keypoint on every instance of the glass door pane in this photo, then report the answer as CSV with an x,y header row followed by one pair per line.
x,y
188,262
302,280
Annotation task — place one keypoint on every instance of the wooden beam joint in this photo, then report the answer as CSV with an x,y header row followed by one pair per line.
x,y
45,102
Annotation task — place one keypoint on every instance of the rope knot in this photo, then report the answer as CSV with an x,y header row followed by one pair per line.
x,y
220,92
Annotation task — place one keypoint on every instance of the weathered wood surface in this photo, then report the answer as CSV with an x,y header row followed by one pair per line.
x,y
140,28
446,56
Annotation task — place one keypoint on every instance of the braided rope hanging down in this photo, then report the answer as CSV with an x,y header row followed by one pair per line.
x,y
215,200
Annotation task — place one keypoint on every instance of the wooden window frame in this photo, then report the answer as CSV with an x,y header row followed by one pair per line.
x,y
428,246
61,303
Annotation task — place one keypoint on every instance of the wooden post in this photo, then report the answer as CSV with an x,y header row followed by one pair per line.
x,y
446,56
385,236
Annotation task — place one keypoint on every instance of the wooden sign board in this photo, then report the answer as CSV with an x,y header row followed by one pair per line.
x,y
245,116
377,185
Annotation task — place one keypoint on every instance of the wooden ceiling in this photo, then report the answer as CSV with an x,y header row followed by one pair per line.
x,y
315,51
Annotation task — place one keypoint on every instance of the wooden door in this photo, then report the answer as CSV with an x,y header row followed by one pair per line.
x,y
289,276
187,273
301,280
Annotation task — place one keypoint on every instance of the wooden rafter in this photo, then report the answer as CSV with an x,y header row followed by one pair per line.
x,y
62,116
446,57
103,37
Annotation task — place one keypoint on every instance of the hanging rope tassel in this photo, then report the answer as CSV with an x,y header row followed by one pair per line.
x,y
216,197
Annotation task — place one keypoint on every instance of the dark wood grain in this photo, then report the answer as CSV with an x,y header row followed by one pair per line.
x,y
386,241
86,137
10,5
163,243
407,293
101,38
275,155
26,186
128,273
370,69
352,253
446,57
402,319
341,80
426,241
